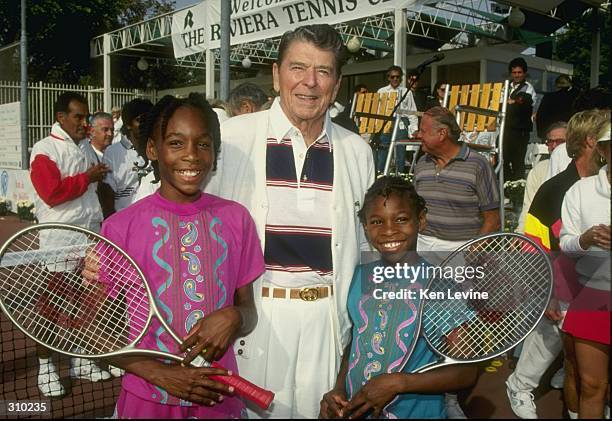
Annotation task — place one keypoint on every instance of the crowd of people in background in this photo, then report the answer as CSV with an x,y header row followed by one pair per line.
x,y
280,191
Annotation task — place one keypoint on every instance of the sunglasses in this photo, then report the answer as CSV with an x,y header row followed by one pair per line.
x,y
395,77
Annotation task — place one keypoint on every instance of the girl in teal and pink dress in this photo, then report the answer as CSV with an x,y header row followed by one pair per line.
x,y
199,254
375,377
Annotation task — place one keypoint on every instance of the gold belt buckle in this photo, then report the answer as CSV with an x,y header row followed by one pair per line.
x,y
309,294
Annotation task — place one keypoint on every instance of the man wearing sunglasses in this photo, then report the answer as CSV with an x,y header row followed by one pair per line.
x,y
407,125
555,136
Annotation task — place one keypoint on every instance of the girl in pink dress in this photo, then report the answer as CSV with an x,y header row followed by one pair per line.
x,y
199,254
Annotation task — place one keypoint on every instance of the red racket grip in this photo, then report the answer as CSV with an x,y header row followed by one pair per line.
x,y
262,397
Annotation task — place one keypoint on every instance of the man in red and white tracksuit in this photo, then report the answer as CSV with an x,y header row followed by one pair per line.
x,y
64,181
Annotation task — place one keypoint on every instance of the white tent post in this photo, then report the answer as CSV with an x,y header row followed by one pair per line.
x,y
107,74
399,50
210,74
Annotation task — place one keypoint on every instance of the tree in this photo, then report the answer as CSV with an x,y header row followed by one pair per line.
x,y
59,31
573,45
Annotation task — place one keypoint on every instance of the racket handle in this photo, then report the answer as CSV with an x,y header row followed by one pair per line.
x,y
261,397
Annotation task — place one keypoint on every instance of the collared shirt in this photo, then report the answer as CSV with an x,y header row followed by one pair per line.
x,y
519,113
94,156
299,182
122,159
543,221
58,172
457,194
407,105
241,176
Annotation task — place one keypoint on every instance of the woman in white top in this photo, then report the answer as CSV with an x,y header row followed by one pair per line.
x,y
585,235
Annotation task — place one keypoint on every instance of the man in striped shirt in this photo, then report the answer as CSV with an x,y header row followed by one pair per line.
x,y
303,178
460,192
457,183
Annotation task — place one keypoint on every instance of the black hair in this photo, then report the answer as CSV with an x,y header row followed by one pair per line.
x,y
162,112
597,97
386,186
518,62
132,110
437,85
322,36
62,103
412,72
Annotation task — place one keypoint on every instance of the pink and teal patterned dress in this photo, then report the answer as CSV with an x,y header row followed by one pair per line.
x,y
384,341
194,256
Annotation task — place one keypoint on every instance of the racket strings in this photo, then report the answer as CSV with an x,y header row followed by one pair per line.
x,y
516,279
45,292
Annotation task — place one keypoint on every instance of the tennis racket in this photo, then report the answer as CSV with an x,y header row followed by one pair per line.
x,y
43,292
495,309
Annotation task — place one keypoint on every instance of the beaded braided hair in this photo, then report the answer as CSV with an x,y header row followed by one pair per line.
x,y
386,186
161,114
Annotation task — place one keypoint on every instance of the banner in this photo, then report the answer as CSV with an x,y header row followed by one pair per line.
x,y
189,30
198,28
10,135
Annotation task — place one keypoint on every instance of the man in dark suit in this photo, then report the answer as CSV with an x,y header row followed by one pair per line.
x,y
556,106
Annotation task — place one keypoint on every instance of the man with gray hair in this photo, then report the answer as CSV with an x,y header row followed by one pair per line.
x,y
303,178
100,138
457,183
460,191
246,98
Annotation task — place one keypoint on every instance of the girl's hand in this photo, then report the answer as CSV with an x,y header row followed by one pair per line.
x,y
212,335
191,384
332,404
597,235
553,312
375,395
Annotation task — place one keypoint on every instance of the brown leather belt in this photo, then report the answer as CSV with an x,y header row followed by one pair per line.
x,y
305,294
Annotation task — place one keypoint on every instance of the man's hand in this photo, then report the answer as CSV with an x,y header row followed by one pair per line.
x,y
332,404
212,335
97,172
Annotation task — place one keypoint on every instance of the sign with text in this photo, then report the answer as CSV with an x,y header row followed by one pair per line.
x,y
10,135
198,28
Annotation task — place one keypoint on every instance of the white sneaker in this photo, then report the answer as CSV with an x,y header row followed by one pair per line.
x,y
115,371
453,409
556,382
48,379
521,403
82,368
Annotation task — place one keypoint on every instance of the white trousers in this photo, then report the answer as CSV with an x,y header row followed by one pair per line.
x,y
292,353
540,348
435,250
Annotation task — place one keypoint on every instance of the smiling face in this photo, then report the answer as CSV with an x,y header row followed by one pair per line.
x,y
74,122
518,74
395,78
102,133
431,137
392,227
185,154
307,81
